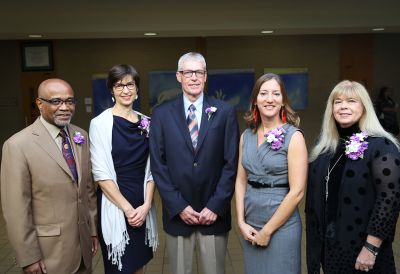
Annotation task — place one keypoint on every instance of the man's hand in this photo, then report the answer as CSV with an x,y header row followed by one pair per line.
x,y
35,268
95,245
207,217
190,216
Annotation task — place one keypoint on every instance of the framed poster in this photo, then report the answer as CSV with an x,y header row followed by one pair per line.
x,y
37,56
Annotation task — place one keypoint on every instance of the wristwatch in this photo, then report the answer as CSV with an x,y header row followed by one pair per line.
x,y
371,248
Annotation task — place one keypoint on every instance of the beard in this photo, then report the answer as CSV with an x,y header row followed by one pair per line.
x,y
62,122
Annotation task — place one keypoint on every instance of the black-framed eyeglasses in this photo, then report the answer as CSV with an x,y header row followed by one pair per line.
x,y
189,73
120,87
58,102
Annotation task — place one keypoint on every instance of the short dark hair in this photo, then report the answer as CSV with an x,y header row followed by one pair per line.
x,y
118,72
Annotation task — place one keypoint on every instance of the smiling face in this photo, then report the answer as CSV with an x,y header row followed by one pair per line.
x,y
192,86
58,115
347,110
128,94
269,99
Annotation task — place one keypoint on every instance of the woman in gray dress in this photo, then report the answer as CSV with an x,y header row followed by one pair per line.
x,y
271,181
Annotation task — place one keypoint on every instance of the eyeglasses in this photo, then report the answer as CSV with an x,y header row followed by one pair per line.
x,y
120,87
189,73
58,102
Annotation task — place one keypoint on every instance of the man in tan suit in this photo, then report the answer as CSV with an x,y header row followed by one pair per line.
x,y
47,193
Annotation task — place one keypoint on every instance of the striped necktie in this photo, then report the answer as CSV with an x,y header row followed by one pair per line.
x,y
193,126
68,155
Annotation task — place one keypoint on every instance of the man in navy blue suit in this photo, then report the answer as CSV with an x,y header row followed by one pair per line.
x,y
194,151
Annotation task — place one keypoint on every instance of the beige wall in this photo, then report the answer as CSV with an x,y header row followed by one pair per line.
x,y
317,53
11,114
77,60
387,63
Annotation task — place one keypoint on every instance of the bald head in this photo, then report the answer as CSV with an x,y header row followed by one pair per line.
x,y
56,102
53,83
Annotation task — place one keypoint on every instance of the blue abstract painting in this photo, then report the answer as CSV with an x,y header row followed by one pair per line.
x,y
232,85
162,87
296,84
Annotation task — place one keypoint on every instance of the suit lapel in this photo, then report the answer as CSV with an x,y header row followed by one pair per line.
x,y
180,120
77,152
42,137
205,123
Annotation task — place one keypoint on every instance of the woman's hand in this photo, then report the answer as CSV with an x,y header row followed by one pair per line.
x,y
129,212
140,216
248,232
262,238
365,260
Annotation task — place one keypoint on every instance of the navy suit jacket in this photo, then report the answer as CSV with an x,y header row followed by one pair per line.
x,y
201,178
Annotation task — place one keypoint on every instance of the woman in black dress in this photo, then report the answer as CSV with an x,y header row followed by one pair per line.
x,y
119,153
353,194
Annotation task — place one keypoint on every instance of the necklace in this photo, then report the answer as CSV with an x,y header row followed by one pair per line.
x,y
327,177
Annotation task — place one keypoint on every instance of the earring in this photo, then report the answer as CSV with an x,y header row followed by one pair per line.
x,y
136,97
283,114
112,97
255,115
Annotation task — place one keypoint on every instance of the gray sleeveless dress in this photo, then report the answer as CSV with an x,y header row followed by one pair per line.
x,y
264,165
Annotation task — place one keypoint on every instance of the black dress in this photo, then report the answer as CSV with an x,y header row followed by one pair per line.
x,y
364,199
130,150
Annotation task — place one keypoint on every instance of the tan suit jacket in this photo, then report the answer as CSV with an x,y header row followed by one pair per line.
x,y
48,215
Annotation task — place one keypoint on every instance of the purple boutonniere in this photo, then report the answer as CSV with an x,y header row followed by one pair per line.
x,y
210,111
78,138
144,125
356,146
275,137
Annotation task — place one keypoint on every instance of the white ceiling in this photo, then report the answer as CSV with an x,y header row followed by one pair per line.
x,y
65,19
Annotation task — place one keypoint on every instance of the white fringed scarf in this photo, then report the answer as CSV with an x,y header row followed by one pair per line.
x,y
112,217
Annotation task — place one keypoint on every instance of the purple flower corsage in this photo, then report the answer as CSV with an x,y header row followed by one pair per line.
x,y
275,137
144,125
356,146
78,138
210,111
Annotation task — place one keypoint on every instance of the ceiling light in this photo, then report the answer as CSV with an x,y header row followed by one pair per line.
x,y
267,31
35,36
378,29
150,34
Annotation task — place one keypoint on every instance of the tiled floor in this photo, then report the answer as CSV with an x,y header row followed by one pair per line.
x,y
159,264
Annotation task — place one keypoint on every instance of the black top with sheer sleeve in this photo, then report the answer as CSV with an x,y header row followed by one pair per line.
x,y
367,202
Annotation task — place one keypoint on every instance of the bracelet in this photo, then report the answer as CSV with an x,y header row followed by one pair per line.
x,y
371,248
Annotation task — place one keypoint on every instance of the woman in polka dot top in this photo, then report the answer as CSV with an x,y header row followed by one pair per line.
x,y
353,195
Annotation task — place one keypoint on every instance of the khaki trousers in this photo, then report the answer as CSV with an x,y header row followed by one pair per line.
x,y
212,252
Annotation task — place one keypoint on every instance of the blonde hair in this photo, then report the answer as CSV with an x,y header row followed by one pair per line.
x,y
329,136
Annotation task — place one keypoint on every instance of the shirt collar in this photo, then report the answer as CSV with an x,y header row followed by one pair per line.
x,y
52,129
198,103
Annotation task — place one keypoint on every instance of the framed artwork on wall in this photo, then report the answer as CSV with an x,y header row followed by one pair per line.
x,y
37,56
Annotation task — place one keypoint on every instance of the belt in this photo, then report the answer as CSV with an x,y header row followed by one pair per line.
x,y
260,185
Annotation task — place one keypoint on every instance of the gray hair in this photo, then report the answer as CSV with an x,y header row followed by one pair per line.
x,y
195,56
329,136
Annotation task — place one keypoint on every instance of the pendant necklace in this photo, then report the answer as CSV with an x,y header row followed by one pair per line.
x,y
327,176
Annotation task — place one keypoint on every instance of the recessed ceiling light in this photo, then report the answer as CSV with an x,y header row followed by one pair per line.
x,y
267,31
378,29
35,36
150,34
